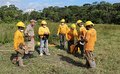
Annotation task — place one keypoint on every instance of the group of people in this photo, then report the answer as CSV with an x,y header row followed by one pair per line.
x,y
84,39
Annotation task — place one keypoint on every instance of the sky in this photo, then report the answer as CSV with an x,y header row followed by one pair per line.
x,y
40,4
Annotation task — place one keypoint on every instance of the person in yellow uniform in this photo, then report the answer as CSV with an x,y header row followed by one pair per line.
x,y
71,35
19,44
62,31
90,39
81,35
44,33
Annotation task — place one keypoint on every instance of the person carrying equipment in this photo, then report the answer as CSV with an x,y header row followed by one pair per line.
x,y
81,36
29,36
44,35
62,31
70,36
90,40
19,44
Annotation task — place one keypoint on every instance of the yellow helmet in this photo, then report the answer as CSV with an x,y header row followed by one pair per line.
x,y
20,24
43,22
73,26
89,23
62,21
38,43
79,21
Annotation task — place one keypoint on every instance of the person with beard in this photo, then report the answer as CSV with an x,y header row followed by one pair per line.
x,y
29,36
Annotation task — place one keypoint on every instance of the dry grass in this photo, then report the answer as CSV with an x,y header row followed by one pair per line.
x,y
106,50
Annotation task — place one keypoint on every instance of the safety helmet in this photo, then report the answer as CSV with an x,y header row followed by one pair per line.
x,y
73,26
79,21
62,21
43,22
38,43
20,24
88,23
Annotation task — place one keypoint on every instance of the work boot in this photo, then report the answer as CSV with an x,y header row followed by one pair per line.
x,y
87,64
46,50
26,56
92,64
21,62
14,60
41,54
61,47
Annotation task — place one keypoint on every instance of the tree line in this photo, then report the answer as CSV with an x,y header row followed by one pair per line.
x,y
98,12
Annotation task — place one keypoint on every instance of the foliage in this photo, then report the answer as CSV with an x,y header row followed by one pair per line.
x,y
102,12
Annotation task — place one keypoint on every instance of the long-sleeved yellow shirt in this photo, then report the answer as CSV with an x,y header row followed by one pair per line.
x,y
42,30
91,38
71,34
18,39
82,32
62,29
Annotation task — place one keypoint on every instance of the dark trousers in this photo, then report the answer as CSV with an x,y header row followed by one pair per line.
x,y
81,49
62,41
70,42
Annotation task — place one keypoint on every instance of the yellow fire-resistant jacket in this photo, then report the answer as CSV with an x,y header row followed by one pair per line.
x,y
82,32
91,37
62,29
18,38
43,30
71,34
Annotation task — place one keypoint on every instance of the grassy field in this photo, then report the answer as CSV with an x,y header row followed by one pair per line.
x,y
59,62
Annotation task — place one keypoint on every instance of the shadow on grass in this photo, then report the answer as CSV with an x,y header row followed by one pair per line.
x,y
37,49
58,48
78,55
71,61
